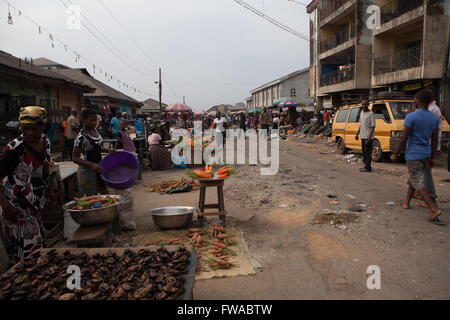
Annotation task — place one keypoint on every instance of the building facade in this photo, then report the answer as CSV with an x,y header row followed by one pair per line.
x,y
22,84
294,86
361,47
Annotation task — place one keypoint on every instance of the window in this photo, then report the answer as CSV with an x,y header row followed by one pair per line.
x,y
354,115
401,109
342,115
381,112
293,93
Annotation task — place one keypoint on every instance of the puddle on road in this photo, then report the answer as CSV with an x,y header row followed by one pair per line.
x,y
323,247
290,215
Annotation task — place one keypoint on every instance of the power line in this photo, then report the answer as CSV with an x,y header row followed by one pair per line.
x,y
106,38
271,20
102,42
137,44
299,3
52,38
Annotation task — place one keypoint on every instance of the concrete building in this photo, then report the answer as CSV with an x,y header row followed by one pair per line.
x,y
401,45
411,46
340,49
294,85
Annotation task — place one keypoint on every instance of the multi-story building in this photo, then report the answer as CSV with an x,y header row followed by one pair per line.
x,y
294,85
340,50
398,45
411,45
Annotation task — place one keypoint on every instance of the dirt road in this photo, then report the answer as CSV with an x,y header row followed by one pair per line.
x,y
303,259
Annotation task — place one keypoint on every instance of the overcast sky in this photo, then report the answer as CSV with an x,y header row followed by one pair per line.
x,y
211,51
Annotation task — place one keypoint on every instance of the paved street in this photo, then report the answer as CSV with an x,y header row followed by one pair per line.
x,y
301,259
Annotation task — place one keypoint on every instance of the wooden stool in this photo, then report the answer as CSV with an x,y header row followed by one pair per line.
x,y
220,206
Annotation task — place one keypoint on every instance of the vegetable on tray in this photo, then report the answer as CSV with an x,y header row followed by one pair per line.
x,y
208,173
94,202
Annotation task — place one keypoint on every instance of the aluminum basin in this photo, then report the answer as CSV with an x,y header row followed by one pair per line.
x,y
93,217
172,217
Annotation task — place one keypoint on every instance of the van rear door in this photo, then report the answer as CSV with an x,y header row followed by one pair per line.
x,y
339,124
352,128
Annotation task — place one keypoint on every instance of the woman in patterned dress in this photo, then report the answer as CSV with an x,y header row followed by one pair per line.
x,y
25,162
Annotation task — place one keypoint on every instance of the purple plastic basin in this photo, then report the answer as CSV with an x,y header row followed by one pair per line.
x,y
120,170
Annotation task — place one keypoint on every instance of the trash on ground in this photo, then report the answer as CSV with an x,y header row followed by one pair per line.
x,y
334,202
391,203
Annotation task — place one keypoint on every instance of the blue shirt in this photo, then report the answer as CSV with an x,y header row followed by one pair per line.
x,y
423,123
115,125
138,127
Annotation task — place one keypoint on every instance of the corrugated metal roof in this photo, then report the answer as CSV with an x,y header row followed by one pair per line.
x,y
13,62
102,90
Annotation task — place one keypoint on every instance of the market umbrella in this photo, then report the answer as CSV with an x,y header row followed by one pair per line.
x,y
199,113
276,102
178,107
288,103
254,110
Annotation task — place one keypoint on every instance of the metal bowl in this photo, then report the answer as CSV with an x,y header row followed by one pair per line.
x,y
172,217
93,217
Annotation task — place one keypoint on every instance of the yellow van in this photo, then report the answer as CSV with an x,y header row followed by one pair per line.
x,y
389,117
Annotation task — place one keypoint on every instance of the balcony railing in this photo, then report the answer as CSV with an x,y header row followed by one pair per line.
x,y
338,76
405,59
333,6
337,39
396,8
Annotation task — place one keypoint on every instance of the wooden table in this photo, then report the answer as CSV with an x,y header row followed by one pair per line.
x,y
96,236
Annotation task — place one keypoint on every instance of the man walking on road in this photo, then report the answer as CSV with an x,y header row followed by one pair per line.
x,y
367,131
434,108
420,127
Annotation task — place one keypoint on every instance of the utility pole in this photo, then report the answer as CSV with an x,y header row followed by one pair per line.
x,y
184,100
160,91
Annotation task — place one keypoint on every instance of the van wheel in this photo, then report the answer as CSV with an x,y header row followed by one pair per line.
x,y
342,149
377,153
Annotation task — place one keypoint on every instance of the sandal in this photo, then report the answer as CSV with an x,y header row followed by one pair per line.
x,y
438,222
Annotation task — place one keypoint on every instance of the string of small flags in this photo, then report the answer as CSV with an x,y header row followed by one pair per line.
x,y
78,57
